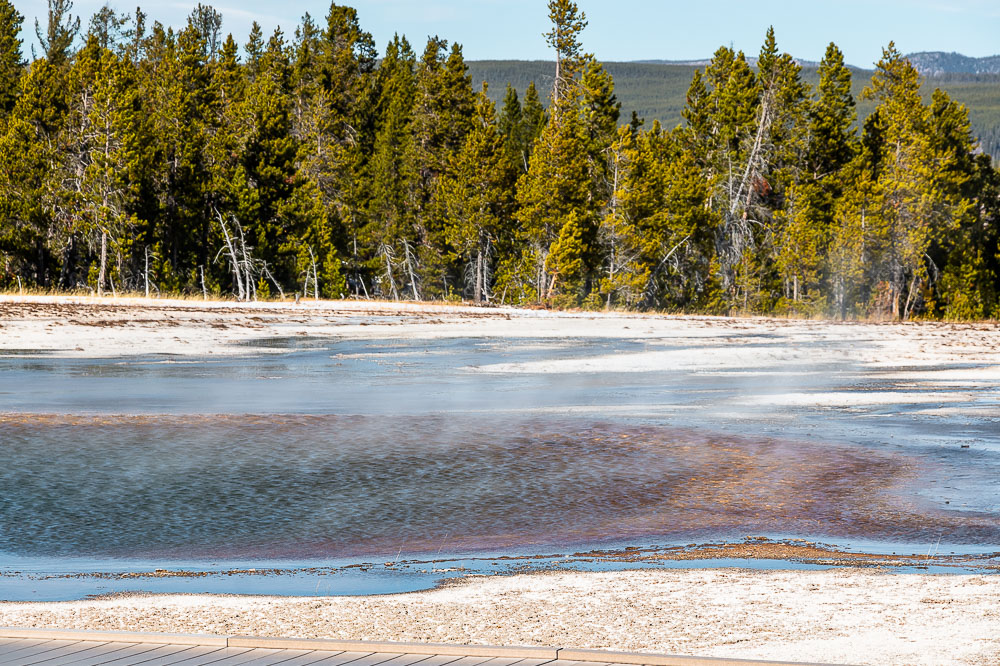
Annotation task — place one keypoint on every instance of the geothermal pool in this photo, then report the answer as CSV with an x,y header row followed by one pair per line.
x,y
388,464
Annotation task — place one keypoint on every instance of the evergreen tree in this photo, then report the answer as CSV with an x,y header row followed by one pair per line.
x,y
11,61
60,32
442,117
554,192
103,158
522,134
509,125
567,24
31,240
476,199
390,235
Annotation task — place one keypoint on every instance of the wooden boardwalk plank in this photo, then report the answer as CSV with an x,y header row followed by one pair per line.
x,y
284,658
103,655
407,660
307,659
440,660
66,651
534,662
15,644
22,655
342,658
501,661
375,659
470,661
211,657
248,655
132,655
157,655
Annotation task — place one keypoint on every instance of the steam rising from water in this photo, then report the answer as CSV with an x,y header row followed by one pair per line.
x,y
331,486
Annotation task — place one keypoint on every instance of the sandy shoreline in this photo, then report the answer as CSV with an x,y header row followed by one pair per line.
x,y
844,615
841,616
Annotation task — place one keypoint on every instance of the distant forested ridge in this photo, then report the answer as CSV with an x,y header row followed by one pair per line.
x,y
135,157
657,91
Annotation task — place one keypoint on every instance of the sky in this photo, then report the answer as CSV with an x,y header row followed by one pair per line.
x,y
620,30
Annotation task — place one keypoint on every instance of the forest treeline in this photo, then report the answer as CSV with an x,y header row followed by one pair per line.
x,y
135,157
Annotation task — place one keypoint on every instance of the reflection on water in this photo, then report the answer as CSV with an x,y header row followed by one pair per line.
x,y
232,487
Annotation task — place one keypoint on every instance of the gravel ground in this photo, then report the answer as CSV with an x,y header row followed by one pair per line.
x,y
841,616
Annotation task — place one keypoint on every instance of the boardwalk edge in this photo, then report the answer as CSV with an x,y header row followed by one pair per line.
x,y
509,652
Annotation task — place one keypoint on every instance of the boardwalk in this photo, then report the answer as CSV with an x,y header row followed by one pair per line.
x,y
55,647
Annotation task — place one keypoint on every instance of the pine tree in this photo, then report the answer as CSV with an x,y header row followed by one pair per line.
x,y
601,110
476,200
389,236
533,120
60,33
567,24
182,106
967,288
11,61
658,233
509,125
103,158
910,214
811,201
31,242
558,184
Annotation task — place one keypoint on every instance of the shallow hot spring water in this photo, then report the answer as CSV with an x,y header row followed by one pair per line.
x,y
321,455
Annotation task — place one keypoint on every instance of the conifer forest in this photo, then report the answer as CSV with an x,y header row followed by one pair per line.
x,y
140,158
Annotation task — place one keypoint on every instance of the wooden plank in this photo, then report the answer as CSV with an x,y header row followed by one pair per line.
x,y
129,655
374,659
407,660
19,644
341,658
305,658
158,653
535,662
440,660
282,657
248,655
470,661
105,654
20,656
501,661
69,650
211,657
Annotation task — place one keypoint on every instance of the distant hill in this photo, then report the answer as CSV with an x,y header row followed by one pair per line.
x,y
657,90
935,63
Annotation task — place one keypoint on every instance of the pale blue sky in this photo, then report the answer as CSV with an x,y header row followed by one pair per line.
x,y
624,29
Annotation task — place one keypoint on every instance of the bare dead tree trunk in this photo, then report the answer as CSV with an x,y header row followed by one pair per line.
x,y
410,261
267,273
386,253
312,258
479,277
104,263
237,270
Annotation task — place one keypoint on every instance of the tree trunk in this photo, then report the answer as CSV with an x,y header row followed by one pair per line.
x,y
479,277
104,263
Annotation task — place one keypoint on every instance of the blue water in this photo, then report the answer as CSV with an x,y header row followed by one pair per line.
x,y
326,452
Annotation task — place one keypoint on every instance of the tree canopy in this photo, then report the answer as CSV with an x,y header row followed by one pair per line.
x,y
137,157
